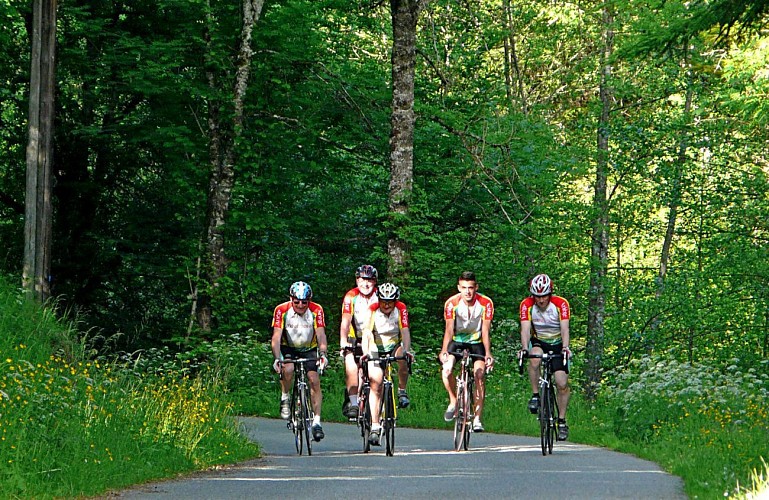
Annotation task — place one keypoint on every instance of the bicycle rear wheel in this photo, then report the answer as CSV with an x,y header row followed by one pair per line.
x,y
460,421
389,420
306,418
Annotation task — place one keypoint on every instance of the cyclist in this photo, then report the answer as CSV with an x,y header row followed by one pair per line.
x,y
355,315
545,326
468,316
299,331
387,332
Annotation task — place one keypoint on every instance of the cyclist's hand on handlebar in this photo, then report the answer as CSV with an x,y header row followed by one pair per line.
x,y
409,356
277,365
489,363
567,353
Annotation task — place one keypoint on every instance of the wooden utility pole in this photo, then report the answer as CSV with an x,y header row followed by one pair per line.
x,y
38,211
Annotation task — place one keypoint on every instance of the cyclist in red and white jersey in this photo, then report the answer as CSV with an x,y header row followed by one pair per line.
x,y
355,315
468,316
387,332
545,327
299,331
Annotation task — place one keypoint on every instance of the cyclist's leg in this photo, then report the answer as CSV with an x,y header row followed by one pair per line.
x,y
449,382
479,372
534,366
375,376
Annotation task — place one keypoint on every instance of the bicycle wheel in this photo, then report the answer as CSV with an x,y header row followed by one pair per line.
x,y
306,418
470,411
544,418
460,421
553,425
365,420
297,421
389,420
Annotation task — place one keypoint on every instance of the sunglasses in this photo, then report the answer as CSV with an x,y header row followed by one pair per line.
x,y
298,302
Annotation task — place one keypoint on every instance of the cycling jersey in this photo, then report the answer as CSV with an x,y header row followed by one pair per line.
x,y
386,328
546,325
357,305
299,329
468,319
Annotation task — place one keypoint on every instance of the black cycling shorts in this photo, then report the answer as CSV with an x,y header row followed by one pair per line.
x,y
294,353
558,363
478,349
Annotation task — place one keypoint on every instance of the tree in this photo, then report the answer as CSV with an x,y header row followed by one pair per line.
x,y
223,139
405,15
600,234
38,212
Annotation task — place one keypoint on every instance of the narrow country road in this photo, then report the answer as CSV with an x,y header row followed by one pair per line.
x,y
496,466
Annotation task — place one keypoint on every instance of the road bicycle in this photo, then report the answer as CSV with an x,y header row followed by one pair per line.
x,y
301,414
465,407
388,408
547,413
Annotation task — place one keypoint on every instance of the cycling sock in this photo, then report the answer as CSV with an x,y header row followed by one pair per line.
x,y
316,420
354,400
284,396
376,427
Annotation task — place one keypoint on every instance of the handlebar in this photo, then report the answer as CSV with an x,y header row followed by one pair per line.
x,y
467,355
301,361
388,359
544,356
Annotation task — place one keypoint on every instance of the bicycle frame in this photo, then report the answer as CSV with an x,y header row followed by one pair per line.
x,y
388,409
465,408
547,412
300,421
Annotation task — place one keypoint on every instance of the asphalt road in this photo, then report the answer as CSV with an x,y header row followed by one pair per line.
x,y
424,466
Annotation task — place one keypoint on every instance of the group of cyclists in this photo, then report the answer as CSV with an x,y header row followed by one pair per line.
x,y
376,323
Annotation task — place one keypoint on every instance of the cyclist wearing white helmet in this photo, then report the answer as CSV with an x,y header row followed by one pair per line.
x,y
468,316
299,331
387,332
545,326
355,315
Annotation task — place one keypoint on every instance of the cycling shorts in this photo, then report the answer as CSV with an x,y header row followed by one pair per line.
x,y
478,349
293,353
558,363
357,348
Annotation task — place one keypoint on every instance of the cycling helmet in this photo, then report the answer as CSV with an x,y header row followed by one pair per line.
x,y
541,285
388,291
366,271
300,290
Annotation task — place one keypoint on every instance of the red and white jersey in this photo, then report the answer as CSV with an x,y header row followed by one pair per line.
x,y
546,324
299,329
357,305
387,327
468,319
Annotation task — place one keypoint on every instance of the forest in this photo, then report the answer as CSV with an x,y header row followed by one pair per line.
x,y
619,147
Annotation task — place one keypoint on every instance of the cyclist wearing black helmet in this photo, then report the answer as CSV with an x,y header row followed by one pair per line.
x,y
299,330
545,326
387,332
355,315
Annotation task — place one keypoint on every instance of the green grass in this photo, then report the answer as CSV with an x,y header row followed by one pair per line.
x,y
72,427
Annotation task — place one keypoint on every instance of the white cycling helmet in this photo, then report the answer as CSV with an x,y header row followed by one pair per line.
x,y
388,291
300,290
541,285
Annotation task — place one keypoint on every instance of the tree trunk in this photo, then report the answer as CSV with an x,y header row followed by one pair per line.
x,y
405,14
38,211
223,138
600,237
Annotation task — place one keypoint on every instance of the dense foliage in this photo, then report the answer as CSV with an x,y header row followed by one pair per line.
x,y
505,155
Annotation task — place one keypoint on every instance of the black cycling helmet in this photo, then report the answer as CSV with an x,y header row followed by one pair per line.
x,y
366,271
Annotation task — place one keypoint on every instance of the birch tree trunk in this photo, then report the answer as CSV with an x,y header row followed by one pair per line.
x,y
405,15
223,138
38,209
600,234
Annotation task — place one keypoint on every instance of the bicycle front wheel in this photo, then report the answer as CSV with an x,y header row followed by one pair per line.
x,y
365,419
460,421
553,426
297,421
306,418
544,417
389,420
